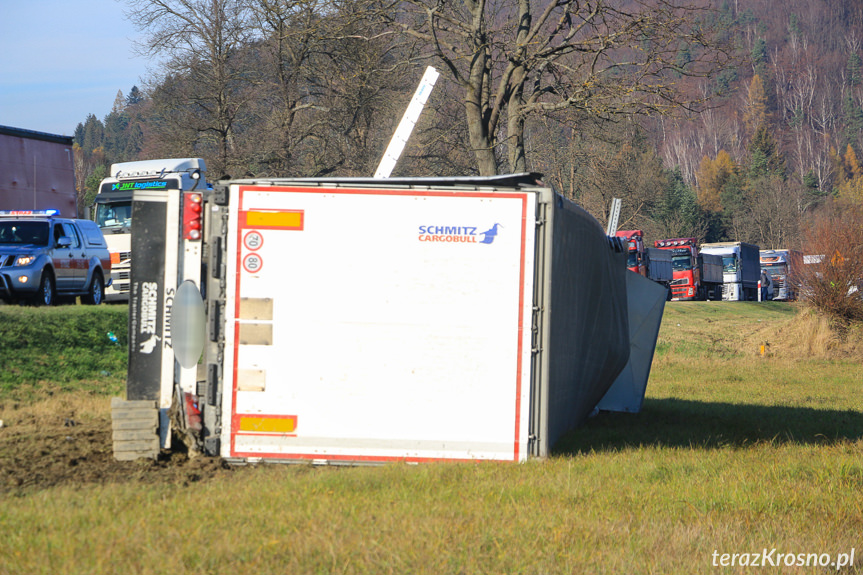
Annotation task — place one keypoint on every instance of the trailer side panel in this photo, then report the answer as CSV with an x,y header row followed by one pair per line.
x,y
377,324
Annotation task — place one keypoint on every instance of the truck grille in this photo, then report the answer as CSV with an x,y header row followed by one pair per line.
x,y
679,281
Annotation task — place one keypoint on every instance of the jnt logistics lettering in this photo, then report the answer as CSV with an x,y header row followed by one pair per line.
x,y
148,185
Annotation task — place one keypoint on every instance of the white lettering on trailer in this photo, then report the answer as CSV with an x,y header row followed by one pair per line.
x,y
166,327
149,307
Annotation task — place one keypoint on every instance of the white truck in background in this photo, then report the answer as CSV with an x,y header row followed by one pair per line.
x,y
741,269
113,209
354,320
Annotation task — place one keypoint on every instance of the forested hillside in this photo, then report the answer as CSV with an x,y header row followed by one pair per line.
x,y
733,122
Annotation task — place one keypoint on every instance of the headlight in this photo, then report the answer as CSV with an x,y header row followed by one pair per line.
x,y
24,260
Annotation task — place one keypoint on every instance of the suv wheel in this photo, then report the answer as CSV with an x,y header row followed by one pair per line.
x,y
96,292
46,294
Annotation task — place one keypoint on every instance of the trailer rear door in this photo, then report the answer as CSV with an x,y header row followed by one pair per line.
x,y
374,324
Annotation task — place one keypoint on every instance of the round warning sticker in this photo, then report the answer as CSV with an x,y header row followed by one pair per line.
x,y
253,263
253,240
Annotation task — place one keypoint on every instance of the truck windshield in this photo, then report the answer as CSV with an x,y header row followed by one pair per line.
x,y
632,260
18,232
775,269
729,263
113,215
681,263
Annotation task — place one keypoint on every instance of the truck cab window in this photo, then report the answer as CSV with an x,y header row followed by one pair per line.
x,y
118,214
729,264
681,263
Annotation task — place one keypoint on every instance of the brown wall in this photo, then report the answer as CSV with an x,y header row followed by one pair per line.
x,y
50,185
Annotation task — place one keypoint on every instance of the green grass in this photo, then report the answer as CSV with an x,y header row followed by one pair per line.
x,y
63,348
732,453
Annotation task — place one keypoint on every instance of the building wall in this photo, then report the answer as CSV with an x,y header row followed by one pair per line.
x,y
36,171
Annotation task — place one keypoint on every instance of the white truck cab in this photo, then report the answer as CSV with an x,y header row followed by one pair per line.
x,y
113,213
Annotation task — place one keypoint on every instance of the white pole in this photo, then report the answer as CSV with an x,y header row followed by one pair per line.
x,y
613,216
406,126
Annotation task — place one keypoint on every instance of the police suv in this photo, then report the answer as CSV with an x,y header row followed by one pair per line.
x,y
43,256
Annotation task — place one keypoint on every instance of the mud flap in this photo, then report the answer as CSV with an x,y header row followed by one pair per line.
x,y
135,426
155,231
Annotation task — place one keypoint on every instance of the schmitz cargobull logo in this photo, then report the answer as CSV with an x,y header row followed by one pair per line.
x,y
458,234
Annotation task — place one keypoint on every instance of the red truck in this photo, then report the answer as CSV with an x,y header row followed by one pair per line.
x,y
651,263
636,261
697,276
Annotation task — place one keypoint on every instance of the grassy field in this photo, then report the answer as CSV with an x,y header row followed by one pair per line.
x,y
735,452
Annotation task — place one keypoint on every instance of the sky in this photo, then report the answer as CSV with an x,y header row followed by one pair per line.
x,y
61,60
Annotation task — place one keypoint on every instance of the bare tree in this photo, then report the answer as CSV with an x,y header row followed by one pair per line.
x,y
199,41
833,284
517,59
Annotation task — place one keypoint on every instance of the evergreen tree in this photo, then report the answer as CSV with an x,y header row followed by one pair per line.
x,y
852,116
854,70
764,155
92,134
116,135
758,54
91,185
135,96
677,212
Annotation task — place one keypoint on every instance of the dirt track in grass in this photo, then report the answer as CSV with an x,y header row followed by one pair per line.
x,y
68,442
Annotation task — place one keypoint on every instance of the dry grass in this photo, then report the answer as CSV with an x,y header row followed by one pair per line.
x,y
807,335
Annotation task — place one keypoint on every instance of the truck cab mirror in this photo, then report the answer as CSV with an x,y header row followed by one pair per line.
x,y
64,242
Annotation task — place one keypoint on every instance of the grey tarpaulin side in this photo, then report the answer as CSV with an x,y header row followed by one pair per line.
x,y
646,302
583,334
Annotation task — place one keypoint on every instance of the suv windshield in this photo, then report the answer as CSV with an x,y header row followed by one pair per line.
x,y
18,232
114,215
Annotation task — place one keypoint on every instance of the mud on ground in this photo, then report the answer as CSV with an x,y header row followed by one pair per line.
x,y
67,442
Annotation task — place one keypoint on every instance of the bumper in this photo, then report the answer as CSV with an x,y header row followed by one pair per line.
x,y
683,293
117,286
15,282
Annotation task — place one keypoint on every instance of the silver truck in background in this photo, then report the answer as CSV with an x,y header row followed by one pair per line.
x,y
741,269
783,266
113,210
